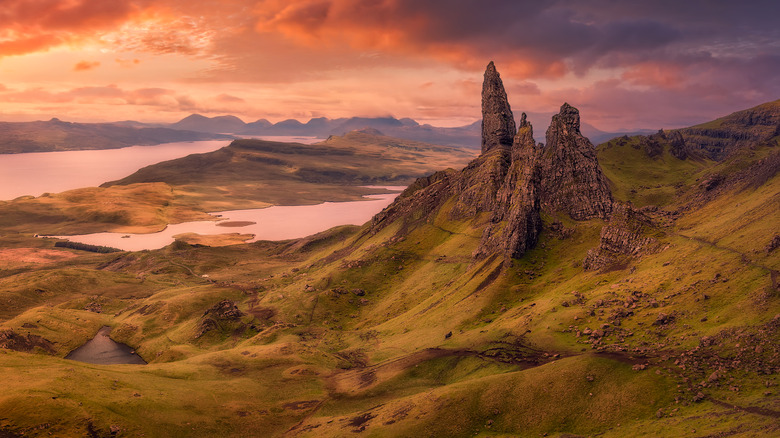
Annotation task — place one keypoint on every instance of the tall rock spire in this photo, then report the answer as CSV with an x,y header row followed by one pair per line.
x,y
498,123
571,178
516,220
508,189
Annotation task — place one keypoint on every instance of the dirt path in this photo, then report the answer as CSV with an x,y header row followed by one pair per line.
x,y
353,382
750,409
773,274
189,270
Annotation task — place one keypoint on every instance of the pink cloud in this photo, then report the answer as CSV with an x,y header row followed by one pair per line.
x,y
39,25
226,98
128,63
86,65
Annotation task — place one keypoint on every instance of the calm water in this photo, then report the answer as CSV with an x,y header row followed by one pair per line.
x,y
272,223
54,172
285,138
105,351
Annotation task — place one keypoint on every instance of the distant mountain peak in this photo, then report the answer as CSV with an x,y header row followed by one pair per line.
x,y
369,131
194,117
218,124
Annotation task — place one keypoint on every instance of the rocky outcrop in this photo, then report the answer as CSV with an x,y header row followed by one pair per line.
x,y
498,122
418,203
506,188
10,340
477,188
516,222
677,145
472,191
219,315
623,237
224,310
653,144
571,180
773,244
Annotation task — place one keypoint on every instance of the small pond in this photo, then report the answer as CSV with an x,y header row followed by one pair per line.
x,y
103,350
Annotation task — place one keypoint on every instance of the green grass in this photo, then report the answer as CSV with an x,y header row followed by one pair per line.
x,y
439,345
642,180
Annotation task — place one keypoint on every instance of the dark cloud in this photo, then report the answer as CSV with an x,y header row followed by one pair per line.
x,y
679,60
580,34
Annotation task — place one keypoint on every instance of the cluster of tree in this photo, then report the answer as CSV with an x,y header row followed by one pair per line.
x,y
86,247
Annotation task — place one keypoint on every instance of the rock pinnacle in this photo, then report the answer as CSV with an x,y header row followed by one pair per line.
x,y
498,123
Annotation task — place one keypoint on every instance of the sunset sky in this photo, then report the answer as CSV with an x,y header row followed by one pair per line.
x,y
624,64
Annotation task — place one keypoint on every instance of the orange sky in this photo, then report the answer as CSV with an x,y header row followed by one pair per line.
x,y
625,64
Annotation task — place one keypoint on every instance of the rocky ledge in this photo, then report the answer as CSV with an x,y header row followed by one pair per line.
x,y
624,236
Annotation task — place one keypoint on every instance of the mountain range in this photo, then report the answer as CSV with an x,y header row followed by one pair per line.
x,y
406,128
57,135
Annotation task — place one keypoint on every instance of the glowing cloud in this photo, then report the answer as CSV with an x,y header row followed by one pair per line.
x,y
86,65
298,58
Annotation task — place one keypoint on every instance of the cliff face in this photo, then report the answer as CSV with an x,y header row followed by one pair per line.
x,y
516,222
512,182
720,138
571,179
622,237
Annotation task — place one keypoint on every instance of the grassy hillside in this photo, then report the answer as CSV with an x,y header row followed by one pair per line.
x,y
400,332
294,174
408,337
132,208
644,180
720,137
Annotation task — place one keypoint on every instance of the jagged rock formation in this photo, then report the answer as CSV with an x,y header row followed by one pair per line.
x,y
503,181
515,225
498,122
472,190
623,237
507,186
654,145
677,147
220,314
571,179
